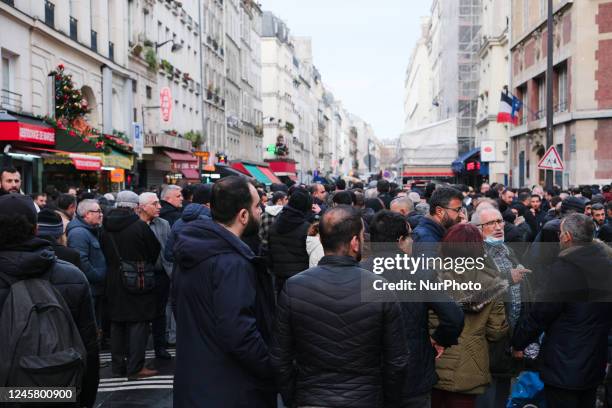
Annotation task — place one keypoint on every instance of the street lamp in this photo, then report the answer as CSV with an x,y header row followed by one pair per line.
x,y
175,46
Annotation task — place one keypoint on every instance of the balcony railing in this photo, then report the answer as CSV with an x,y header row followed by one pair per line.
x,y
49,13
561,107
10,100
163,140
94,41
74,23
111,51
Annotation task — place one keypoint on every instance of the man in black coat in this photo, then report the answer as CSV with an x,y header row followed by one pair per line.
x,y
24,256
224,306
287,240
330,348
127,238
575,316
171,200
390,236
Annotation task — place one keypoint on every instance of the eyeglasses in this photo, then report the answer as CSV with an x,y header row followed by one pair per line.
x,y
95,211
501,223
458,209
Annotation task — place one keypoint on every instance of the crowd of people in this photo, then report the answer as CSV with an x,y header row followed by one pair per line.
x,y
261,292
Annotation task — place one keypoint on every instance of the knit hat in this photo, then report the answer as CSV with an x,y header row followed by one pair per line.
x,y
301,200
572,203
127,199
49,224
17,204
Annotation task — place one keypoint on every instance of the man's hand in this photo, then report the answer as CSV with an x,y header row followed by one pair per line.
x,y
518,274
316,209
439,348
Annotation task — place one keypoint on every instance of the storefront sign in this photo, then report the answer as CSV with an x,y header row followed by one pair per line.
x,y
117,176
165,103
27,132
85,162
487,151
203,155
116,159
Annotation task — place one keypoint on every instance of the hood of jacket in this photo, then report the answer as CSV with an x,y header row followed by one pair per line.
x,y
77,222
194,211
289,219
28,259
430,229
119,219
204,238
274,210
594,263
166,208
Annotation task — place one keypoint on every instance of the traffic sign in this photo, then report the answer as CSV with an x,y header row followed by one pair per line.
x,y
551,160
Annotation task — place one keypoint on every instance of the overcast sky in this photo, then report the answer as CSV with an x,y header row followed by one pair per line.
x,y
361,48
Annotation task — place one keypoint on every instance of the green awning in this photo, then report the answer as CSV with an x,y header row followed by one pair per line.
x,y
255,172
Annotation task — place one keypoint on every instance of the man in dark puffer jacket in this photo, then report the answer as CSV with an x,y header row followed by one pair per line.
x,y
353,353
287,241
24,256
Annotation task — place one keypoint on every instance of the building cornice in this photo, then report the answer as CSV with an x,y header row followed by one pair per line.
x,y
562,118
40,27
542,23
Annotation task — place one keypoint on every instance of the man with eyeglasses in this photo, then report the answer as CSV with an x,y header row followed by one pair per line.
x,y
445,210
83,235
501,258
148,209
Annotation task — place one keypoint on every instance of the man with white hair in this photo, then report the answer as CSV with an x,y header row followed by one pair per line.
x,y
148,210
83,234
171,200
574,313
131,250
405,207
501,258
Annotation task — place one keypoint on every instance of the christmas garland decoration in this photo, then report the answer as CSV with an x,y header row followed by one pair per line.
x,y
70,109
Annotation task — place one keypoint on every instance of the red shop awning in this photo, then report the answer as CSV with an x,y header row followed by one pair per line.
x,y
428,172
269,175
85,162
183,157
282,168
16,128
240,167
191,174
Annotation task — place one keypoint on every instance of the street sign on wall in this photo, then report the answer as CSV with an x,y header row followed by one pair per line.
x,y
138,138
165,103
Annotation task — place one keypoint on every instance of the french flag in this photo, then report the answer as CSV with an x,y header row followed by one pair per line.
x,y
508,109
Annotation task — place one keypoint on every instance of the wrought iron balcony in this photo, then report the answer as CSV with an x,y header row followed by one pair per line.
x,y
10,100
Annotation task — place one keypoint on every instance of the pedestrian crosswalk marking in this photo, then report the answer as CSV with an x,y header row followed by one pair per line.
x,y
155,377
137,387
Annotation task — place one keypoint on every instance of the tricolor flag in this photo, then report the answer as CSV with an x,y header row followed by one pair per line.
x,y
508,109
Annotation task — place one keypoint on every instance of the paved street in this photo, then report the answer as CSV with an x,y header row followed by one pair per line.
x,y
154,392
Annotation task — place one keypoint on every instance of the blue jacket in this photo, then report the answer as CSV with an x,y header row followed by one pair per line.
x,y
225,306
426,236
190,213
84,238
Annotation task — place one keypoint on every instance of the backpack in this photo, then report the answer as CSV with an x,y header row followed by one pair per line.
x,y
138,277
40,345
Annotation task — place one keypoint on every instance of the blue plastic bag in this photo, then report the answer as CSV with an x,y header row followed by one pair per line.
x,y
527,391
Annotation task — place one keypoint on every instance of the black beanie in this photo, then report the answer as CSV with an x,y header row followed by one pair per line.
x,y
301,200
49,224
17,204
